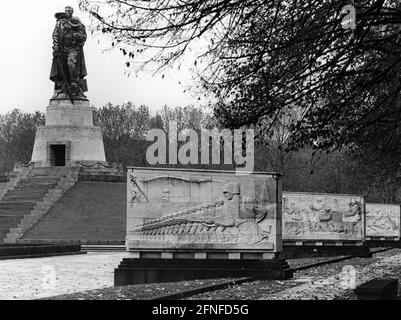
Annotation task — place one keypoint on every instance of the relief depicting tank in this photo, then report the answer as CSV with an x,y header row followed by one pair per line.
x,y
232,221
227,221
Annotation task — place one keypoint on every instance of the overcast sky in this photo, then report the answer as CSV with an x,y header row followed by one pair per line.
x,y
26,27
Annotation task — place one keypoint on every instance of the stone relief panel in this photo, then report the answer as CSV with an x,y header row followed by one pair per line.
x,y
382,220
308,216
202,211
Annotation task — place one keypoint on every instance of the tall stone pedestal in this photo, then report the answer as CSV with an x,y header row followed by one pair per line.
x,y
69,137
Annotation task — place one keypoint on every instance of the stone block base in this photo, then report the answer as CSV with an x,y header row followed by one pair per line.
x,y
140,271
308,251
378,289
379,243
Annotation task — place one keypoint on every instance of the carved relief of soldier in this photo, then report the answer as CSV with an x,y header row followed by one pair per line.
x,y
68,68
293,219
381,220
352,217
315,215
233,219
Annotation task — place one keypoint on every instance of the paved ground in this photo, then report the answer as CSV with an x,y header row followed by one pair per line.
x,y
27,279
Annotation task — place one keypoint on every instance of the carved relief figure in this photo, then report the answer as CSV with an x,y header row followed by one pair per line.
x,y
316,211
352,216
331,219
137,194
219,222
382,222
338,217
292,217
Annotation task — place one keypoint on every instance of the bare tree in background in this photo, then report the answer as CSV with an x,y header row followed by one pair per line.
x,y
260,56
17,137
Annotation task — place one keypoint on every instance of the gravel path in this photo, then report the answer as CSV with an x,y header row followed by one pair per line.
x,y
334,281
151,290
135,292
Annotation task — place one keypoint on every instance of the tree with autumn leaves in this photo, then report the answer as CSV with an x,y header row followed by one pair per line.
x,y
262,56
260,59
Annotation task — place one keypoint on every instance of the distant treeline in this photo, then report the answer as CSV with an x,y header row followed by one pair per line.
x,y
124,128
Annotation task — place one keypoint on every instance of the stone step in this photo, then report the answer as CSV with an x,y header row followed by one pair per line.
x,y
55,189
44,207
35,216
31,197
34,188
4,179
53,171
9,241
13,204
3,232
44,178
3,235
48,170
16,197
21,198
16,209
34,185
12,236
14,212
24,200
48,201
105,248
10,220
27,192
21,213
63,187
38,180
27,222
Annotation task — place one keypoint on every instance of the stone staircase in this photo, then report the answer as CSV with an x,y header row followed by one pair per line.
x,y
12,180
30,198
104,248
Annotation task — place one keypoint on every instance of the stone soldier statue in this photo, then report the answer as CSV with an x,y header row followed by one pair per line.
x,y
68,68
